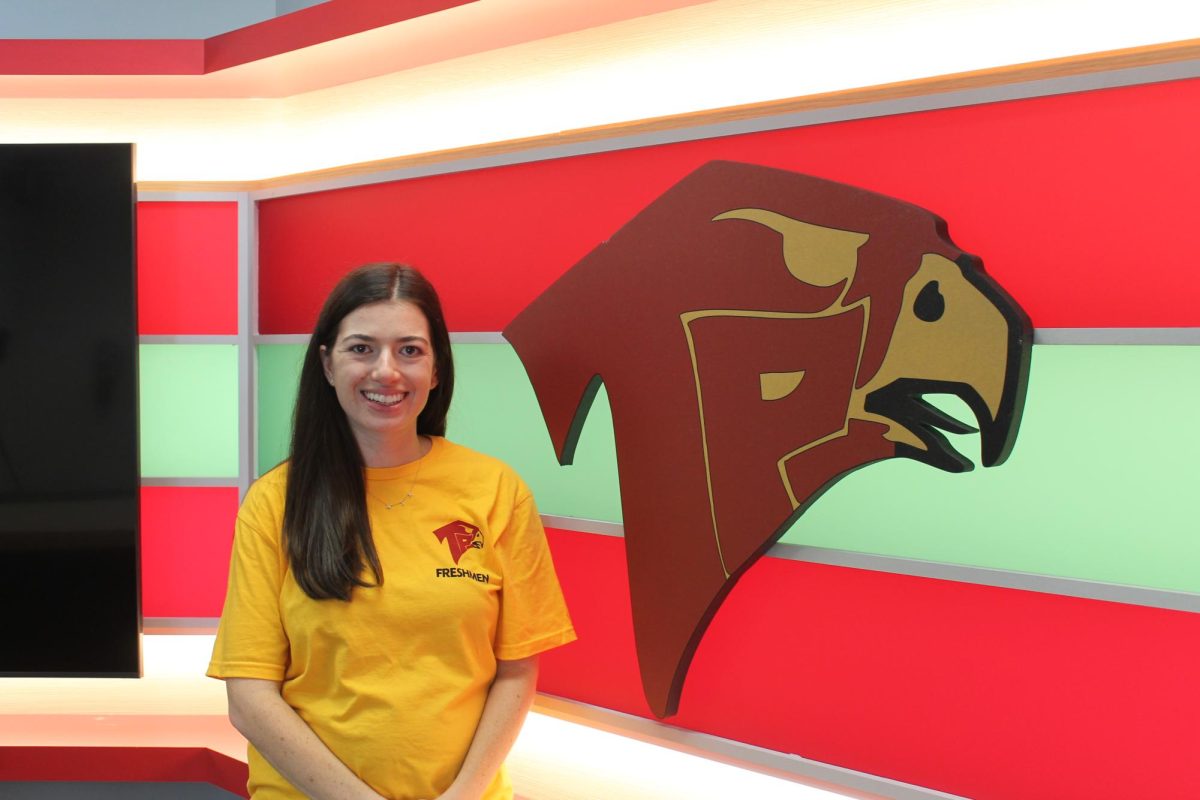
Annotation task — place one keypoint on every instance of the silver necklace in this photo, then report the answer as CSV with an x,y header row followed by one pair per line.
x,y
408,495
400,502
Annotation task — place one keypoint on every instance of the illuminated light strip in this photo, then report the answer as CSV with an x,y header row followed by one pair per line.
x,y
727,59
569,750
960,573
661,131
712,748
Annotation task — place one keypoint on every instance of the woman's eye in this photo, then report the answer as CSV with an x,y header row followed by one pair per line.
x,y
358,349
410,350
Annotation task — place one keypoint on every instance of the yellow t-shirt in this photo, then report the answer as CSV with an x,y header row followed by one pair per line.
x,y
394,681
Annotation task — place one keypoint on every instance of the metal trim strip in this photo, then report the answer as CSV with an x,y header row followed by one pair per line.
x,y
1118,336
456,337
728,751
247,314
196,483
159,196
1041,336
172,338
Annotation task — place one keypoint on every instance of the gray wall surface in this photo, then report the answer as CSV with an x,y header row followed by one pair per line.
x,y
135,19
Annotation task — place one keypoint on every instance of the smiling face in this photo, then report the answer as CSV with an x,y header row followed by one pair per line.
x,y
381,365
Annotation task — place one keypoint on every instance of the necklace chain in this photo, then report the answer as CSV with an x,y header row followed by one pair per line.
x,y
408,495
400,502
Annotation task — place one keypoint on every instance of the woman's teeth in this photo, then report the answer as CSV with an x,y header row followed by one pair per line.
x,y
383,399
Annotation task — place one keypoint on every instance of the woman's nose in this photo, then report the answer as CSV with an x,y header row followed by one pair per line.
x,y
386,368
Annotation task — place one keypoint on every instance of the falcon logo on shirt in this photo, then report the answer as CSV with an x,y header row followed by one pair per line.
x,y
461,537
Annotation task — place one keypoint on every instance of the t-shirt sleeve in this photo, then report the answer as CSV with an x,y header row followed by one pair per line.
x,y
533,614
251,642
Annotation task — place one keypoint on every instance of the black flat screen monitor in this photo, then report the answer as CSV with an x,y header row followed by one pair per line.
x,y
69,593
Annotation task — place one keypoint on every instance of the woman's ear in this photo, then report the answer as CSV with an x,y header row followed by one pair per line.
x,y
325,367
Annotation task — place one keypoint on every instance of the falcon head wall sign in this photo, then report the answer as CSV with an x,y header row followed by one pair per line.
x,y
761,334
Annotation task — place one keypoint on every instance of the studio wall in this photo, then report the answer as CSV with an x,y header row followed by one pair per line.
x,y
1081,205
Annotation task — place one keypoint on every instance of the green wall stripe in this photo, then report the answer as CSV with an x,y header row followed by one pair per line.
x,y
278,374
1100,486
495,411
188,410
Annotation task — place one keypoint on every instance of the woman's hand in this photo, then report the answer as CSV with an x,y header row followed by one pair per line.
x,y
508,701
260,714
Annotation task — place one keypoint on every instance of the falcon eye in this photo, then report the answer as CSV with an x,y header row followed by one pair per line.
x,y
930,304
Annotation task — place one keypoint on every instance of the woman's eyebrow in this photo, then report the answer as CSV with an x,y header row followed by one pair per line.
x,y
363,337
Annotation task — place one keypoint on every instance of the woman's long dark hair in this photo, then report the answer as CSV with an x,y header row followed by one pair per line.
x,y
325,523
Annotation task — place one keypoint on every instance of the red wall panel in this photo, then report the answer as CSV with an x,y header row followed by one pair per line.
x,y
989,693
1082,205
187,267
187,535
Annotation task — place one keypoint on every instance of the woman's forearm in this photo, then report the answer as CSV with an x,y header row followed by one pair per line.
x,y
508,701
260,714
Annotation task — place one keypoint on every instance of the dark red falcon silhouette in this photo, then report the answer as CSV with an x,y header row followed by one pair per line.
x,y
761,334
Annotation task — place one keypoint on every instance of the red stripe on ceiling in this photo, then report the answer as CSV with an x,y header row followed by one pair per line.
x,y
101,56
983,692
324,22
313,25
1081,205
187,535
187,268
125,764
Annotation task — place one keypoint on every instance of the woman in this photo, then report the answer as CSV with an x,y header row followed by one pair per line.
x,y
389,591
